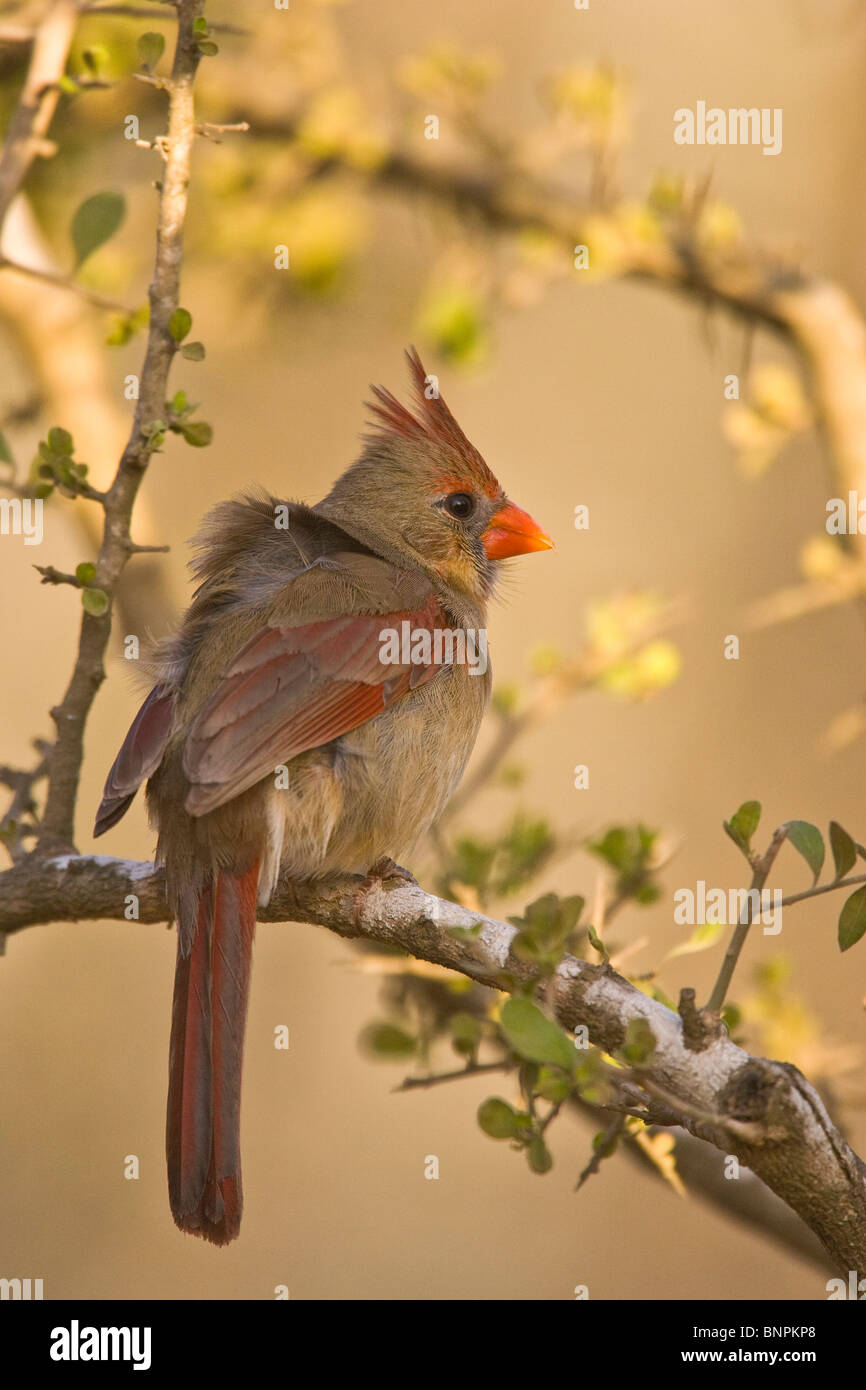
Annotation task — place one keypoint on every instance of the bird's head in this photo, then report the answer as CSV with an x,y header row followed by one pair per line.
x,y
423,489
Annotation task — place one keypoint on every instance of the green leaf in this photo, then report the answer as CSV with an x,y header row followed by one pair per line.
x,y
498,1119
852,919
60,442
209,49
533,1035
808,841
743,823
640,1041
538,1155
552,1085
94,602
703,936
5,451
596,942
85,573
198,433
95,58
200,25
179,324
151,47
844,849
465,1033
97,219
193,352
387,1040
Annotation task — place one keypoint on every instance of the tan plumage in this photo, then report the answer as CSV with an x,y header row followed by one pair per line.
x,y
275,739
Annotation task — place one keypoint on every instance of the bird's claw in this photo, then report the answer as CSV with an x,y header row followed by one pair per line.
x,y
384,874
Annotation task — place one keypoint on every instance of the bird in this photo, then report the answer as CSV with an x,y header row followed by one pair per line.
x,y
286,733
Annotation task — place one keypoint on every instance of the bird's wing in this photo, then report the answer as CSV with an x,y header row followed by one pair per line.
x,y
295,687
140,755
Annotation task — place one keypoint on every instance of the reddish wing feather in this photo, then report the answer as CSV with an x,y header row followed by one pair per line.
x,y
292,689
140,755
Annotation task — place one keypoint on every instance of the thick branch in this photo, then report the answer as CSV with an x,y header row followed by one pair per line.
x,y
764,1112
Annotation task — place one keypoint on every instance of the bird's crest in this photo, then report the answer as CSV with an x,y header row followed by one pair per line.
x,y
430,422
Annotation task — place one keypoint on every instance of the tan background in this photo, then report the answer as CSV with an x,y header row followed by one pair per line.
x,y
606,395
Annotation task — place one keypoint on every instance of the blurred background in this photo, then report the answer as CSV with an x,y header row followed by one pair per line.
x,y
581,388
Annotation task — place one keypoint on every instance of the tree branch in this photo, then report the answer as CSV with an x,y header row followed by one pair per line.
x,y
817,317
71,715
25,139
766,1113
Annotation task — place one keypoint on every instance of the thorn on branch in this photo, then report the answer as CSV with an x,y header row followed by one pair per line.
x,y
133,548
700,1028
50,575
209,130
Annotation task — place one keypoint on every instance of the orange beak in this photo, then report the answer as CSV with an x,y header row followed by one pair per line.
x,y
513,532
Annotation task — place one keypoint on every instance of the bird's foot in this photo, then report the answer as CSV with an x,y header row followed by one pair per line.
x,y
384,874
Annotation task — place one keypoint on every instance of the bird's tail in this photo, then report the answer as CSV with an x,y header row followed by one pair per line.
x,y
211,987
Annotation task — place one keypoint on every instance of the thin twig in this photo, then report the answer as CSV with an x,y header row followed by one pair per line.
x,y
62,282
423,1083
760,871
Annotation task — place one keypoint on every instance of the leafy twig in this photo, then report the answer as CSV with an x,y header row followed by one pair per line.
x,y
71,715
760,872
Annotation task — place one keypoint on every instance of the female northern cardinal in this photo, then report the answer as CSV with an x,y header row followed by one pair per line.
x,y
278,738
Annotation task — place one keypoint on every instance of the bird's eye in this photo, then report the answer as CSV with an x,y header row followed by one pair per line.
x,y
460,505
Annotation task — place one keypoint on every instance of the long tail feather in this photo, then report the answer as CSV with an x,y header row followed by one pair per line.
x,y
211,988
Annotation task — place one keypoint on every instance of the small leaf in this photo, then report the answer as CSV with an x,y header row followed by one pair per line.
x,y
208,48
387,1040
596,942
745,821
844,849
808,841
97,219
85,573
538,1155
198,433
552,1085
533,1035
498,1119
179,324
5,451
852,919
193,352
94,602
94,58
151,47
640,1041
60,442
465,1033
200,25
703,936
